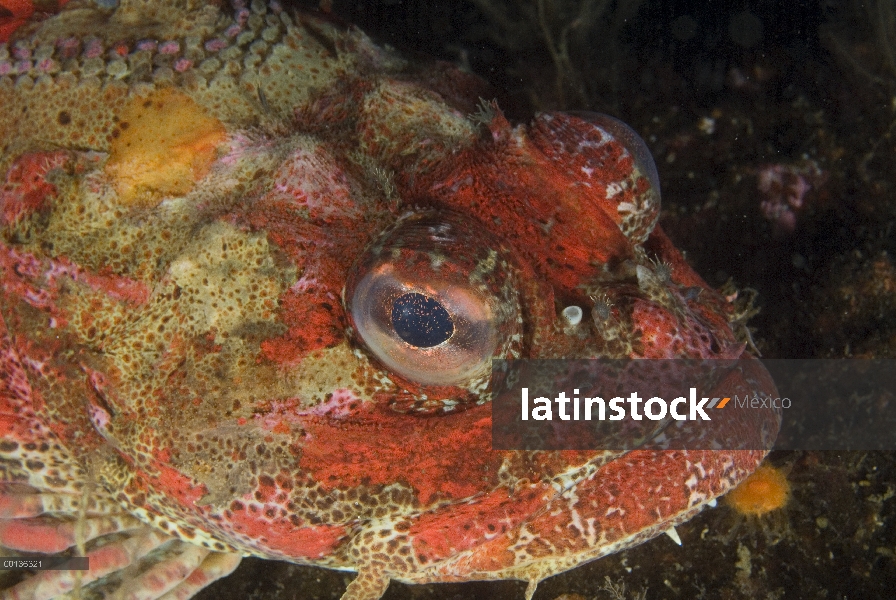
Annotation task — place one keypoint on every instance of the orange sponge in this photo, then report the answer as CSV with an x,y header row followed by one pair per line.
x,y
765,490
163,145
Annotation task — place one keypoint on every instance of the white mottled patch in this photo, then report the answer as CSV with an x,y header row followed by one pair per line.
x,y
625,207
614,189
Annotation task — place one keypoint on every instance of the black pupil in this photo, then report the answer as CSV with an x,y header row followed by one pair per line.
x,y
421,321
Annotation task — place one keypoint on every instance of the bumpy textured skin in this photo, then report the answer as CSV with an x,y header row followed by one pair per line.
x,y
186,189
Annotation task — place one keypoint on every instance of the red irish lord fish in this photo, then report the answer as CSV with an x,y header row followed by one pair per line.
x,y
254,272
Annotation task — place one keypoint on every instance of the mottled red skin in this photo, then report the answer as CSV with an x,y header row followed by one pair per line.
x,y
26,191
341,476
524,183
19,12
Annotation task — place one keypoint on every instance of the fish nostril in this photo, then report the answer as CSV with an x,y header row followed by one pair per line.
x,y
572,315
421,321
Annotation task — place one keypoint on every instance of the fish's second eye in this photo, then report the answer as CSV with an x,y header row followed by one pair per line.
x,y
421,321
434,302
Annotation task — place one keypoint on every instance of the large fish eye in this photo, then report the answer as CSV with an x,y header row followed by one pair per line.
x,y
434,303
